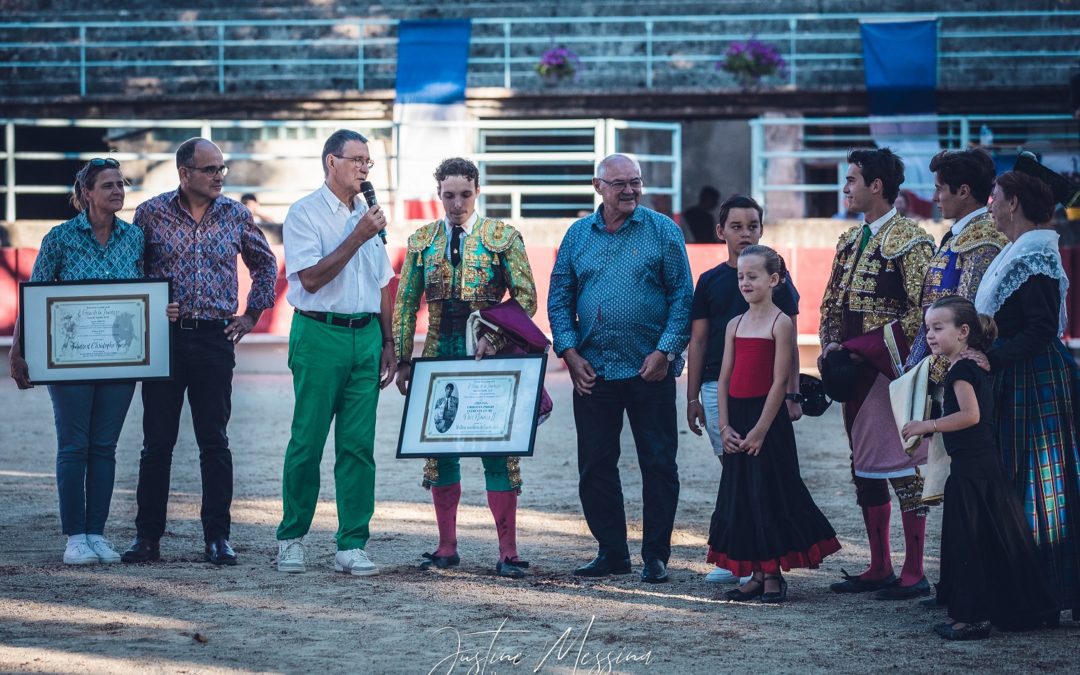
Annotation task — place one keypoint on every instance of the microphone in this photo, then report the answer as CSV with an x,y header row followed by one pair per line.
x,y
368,191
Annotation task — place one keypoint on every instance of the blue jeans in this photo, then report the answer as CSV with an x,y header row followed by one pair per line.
x,y
707,396
88,418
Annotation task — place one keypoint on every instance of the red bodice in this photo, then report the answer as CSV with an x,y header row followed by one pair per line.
x,y
752,373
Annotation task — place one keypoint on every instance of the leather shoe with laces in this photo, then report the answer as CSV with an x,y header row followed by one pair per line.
x,y
603,565
654,572
218,552
142,551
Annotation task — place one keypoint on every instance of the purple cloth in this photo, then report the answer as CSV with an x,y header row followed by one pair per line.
x,y
522,337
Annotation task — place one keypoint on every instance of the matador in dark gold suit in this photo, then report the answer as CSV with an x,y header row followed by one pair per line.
x,y
876,279
459,265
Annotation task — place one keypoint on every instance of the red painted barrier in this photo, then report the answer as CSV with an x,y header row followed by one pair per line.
x,y
9,289
809,267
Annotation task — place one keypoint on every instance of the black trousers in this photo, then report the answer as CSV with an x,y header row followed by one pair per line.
x,y
650,406
203,362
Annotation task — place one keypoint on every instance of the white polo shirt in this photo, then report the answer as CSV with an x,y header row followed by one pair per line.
x,y
314,227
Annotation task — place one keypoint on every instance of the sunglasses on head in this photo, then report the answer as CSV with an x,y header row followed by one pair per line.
x,y
108,161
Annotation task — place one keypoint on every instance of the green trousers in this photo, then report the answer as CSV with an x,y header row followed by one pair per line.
x,y
498,474
335,375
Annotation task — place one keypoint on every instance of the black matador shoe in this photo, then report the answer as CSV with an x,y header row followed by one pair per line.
x,y
511,569
439,561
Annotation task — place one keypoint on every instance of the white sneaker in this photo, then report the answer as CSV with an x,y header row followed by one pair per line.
x,y
355,562
290,556
721,576
103,548
78,552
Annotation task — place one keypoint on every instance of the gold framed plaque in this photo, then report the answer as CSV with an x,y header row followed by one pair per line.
x,y
462,407
81,331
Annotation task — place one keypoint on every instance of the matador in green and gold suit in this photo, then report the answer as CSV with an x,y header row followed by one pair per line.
x,y
492,262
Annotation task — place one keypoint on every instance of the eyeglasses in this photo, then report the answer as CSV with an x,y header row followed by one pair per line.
x,y
620,185
358,161
211,170
108,161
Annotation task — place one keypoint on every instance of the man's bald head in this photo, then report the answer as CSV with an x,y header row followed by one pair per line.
x,y
617,160
185,154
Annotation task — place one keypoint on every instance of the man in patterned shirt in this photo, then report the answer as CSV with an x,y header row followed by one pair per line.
x,y
619,307
193,235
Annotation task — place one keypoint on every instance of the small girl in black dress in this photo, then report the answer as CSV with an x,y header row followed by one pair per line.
x,y
985,539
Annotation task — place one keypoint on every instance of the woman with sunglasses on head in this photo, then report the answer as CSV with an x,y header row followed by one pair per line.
x,y
94,245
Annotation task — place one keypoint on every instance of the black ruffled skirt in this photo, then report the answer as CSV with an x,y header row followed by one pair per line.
x,y
990,567
765,519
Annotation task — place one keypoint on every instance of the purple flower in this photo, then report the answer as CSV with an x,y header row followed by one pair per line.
x,y
558,62
751,60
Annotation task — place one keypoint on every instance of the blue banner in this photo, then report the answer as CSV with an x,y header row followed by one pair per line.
x,y
432,61
900,60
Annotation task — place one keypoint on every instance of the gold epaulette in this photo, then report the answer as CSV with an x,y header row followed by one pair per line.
x,y
496,235
903,235
423,237
848,237
979,232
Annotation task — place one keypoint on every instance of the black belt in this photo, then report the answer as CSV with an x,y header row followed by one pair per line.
x,y
323,317
201,324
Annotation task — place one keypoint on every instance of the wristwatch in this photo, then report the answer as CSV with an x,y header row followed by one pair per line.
x,y
670,355
796,397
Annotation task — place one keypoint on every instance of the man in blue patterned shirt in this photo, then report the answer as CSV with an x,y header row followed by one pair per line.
x,y
619,307
193,236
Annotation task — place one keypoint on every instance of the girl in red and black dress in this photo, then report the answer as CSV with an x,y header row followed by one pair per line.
x,y
765,519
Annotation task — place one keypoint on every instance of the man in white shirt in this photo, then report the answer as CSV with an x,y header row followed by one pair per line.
x,y
340,352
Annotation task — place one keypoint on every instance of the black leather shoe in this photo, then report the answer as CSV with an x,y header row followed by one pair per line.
x,y
142,551
778,596
756,591
218,552
602,565
972,631
439,561
511,569
654,572
852,584
898,592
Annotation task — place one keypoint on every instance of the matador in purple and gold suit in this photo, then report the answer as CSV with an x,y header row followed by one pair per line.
x,y
956,268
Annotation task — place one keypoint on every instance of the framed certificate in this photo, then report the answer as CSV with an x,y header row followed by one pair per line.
x,y
462,407
80,331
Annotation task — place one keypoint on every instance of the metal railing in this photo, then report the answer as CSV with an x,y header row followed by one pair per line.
x,y
251,56
825,141
538,177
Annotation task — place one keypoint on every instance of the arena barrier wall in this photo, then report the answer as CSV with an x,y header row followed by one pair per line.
x,y
809,267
